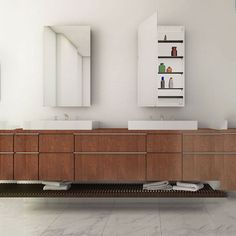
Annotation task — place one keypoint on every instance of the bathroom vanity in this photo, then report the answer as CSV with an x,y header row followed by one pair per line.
x,y
119,155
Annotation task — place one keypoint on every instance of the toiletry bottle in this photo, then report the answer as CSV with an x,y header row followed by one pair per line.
x,y
174,52
171,83
169,70
162,82
162,68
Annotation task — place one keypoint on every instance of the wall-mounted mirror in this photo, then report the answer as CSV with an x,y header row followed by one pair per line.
x,y
67,66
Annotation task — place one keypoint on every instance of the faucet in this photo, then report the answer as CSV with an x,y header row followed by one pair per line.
x,y
162,117
67,117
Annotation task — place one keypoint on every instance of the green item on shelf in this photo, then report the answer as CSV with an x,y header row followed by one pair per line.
x,y
162,68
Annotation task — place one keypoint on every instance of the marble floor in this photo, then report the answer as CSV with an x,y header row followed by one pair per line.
x,y
111,217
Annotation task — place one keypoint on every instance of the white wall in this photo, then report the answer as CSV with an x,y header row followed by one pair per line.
x,y
211,57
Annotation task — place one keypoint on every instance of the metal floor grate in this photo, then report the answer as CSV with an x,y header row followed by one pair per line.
x,y
103,191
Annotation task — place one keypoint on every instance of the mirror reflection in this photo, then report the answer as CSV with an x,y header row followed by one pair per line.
x,y
67,62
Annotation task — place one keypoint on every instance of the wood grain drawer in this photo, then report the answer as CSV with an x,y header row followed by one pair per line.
x,y
6,143
228,177
230,142
202,167
164,167
26,167
110,167
164,143
6,167
58,167
110,143
203,143
56,143
26,143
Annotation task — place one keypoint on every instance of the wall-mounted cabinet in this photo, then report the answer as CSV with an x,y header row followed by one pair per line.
x,y
161,65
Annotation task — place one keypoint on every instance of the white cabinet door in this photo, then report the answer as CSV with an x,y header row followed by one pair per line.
x,y
147,62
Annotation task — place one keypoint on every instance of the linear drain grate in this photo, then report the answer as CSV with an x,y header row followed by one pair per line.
x,y
103,191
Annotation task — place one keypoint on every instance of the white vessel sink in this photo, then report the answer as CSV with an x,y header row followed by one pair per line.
x,y
163,125
61,125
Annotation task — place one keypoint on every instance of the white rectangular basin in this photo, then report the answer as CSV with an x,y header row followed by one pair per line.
x,y
163,125
61,125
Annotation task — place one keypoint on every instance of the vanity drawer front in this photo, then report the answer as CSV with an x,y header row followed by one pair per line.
x,y
203,143
58,166
228,180
110,143
164,167
56,143
6,166
26,143
6,143
94,167
230,142
202,167
26,167
164,143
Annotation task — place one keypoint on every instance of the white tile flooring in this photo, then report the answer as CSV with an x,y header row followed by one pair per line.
x,y
111,217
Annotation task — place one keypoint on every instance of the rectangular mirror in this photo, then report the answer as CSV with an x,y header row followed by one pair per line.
x,y
67,66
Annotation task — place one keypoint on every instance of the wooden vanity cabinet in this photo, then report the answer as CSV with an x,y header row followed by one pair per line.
x,y
119,157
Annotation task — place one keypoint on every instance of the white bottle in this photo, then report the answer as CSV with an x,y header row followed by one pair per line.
x,y
171,83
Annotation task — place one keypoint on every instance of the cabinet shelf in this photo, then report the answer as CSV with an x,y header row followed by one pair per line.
x,y
170,41
171,88
170,97
170,57
170,73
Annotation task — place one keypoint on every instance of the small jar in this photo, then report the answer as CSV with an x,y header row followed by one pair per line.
x,y
169,70
162,68
174,52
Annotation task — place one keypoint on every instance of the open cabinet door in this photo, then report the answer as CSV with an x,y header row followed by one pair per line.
x,y
147,62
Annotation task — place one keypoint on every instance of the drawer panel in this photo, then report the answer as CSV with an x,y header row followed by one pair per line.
x,y
6,143
164,167
26,167
110,143
58,167
228,179
56,143
202,167
6,167
164,143
230,142
110,167
26,143
203,143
